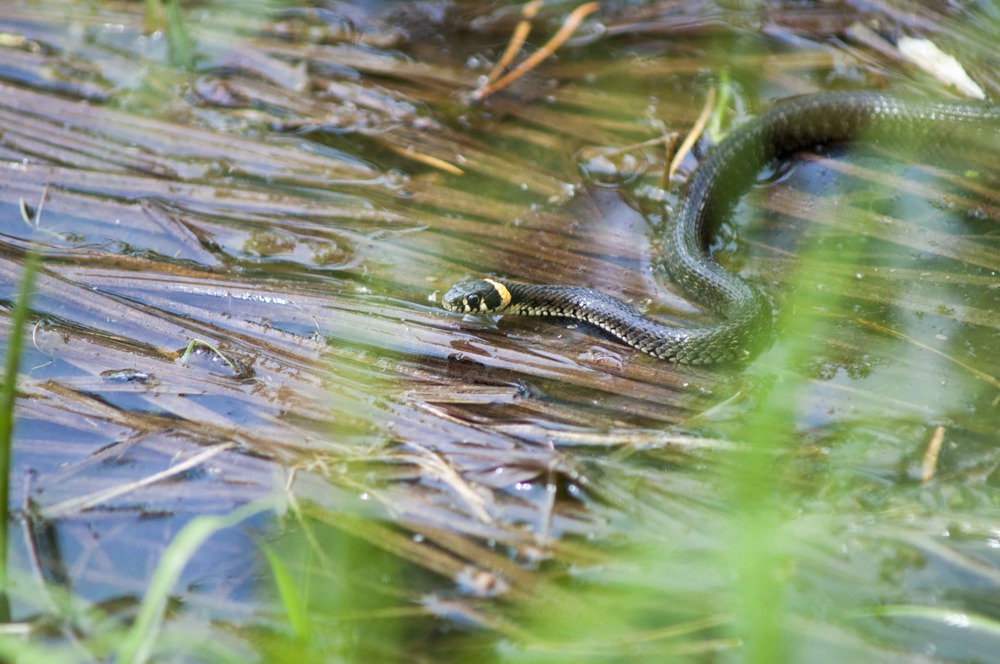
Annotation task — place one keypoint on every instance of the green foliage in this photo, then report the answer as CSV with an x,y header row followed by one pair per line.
x,y
8,393
290,591
140,642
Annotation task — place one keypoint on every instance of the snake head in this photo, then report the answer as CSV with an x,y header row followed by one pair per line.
x,y
479,296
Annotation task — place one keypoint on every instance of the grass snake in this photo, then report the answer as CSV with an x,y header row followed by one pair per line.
x,y
745,313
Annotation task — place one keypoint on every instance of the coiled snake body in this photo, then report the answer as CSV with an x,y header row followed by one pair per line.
x,y
745,313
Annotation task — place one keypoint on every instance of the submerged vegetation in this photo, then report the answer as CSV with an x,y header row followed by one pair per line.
x,y
338,469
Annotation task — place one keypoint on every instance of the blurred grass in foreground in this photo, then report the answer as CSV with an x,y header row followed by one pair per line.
x,y
8,395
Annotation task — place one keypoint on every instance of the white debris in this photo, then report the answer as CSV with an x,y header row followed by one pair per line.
x,y
945,68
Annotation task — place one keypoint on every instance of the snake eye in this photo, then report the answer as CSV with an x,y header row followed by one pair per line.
x,y
472,301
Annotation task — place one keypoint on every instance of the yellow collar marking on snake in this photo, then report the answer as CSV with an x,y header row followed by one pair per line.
x,y
504,293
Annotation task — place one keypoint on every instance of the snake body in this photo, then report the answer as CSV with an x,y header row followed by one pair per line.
x,y
745,314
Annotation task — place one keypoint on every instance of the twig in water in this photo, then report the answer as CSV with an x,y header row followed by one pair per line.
x,y
929,464
569,26
689,140
521,32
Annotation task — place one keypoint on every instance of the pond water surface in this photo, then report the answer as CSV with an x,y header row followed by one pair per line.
x,y
299,197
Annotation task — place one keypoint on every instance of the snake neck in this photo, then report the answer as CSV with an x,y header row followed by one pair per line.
x,y
742,333
798,124
788,127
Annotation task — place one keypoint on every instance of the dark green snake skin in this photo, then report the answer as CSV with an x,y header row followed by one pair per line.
x,y
745,313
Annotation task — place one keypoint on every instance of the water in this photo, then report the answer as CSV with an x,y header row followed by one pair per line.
x,y
516,488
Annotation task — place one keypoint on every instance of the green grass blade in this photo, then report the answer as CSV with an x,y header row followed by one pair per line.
x,y
288,590
8,393
181,45
946,616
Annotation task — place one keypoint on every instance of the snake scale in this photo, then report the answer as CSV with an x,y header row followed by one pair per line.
x,y
744,312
